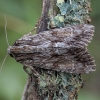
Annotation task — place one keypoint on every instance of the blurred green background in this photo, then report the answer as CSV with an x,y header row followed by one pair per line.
x,y
21,16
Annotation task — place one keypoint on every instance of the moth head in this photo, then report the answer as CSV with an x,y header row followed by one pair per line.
x,y
10,52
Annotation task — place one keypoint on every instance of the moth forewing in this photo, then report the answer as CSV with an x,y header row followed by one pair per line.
x,y
61,49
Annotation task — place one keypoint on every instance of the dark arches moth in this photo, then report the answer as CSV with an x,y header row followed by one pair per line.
x,y
63,49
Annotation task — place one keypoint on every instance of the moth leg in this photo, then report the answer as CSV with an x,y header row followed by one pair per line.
x,y
36,25
25,69
33,70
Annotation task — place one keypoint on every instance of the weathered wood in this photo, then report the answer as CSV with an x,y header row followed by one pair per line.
x,y
44,16
29,92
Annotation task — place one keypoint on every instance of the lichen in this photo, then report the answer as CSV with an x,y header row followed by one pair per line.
x,y
63,86
57,21
76,12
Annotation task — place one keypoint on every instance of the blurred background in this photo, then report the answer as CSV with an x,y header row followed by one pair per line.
x,y
21,16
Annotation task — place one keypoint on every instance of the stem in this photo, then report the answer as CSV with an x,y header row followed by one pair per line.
x,y
44,16
53,85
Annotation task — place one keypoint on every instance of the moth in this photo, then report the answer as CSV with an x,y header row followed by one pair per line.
x,y
59,49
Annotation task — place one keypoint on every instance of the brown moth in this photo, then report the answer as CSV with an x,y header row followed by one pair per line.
x,y
62,49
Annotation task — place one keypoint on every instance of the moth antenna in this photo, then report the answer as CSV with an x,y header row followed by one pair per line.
x,y
3,62
36,25
7,44
33,29
6,31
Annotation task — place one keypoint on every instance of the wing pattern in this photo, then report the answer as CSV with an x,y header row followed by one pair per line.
x,y
61,49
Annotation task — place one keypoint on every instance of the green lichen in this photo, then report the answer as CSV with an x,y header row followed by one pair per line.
x,y
76,12
57,21
63,7
63,86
